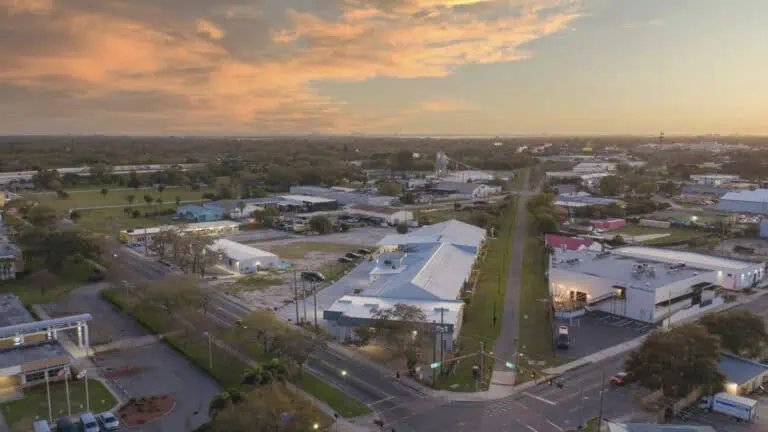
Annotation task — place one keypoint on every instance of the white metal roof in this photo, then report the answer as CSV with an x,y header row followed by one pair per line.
x,y
676,256
238,251
307,198
452,231
191,227
757,195
38,326
363,306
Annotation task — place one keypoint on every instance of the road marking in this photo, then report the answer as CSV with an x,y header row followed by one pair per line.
x,y
381,400
531,428
555,426
539,398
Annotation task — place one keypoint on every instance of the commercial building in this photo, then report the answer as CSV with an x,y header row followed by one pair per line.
x,y
427,268
645,284
742,376
595,167
390,215
29,348
343,197
310,203
207,212
559,242
582,199
748,201
714,179
458,190
241,258
148,235
589,180
651,427
608,224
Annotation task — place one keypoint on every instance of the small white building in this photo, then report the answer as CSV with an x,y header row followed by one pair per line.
x,y
459,190
391,215
645,284
714,179
595,167
246,212
147,235
241,258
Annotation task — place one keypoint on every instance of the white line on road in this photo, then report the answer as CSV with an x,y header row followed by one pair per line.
x,y
555,426
381,400
539,398
531,428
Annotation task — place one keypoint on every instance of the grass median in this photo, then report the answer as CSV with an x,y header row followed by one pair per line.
x,y
487,301
227,369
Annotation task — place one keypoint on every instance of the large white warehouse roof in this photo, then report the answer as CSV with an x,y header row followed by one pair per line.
x,y
675,256
239,252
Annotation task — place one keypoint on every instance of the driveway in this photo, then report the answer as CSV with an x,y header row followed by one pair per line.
x,y
154,368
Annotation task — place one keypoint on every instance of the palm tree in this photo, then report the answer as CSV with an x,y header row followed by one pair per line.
x,y
241,205
148,199
104,192
160,189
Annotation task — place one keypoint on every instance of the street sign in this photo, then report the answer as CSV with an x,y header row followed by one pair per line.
x,y
435,365
509,365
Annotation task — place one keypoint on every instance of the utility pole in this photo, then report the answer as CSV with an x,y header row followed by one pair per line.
x,y
210,352
314,295
87,396
602,391
482,361
581,415
434,353
66,389
48,394
442,311
304,297
296,295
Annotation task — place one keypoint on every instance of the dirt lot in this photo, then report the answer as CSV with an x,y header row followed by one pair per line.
x,y
274,288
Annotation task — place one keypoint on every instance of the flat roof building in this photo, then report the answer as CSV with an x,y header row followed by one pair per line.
x,y
29,348
427,268
391,215
343,197
742,376
714,179
241,258
148,235
748,201
645,284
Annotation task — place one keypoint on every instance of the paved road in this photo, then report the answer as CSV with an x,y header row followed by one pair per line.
x,y
506,347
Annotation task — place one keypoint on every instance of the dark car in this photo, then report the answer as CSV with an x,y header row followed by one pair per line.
x,y
64,424
345,260
363,251
312,276
563,342
352,255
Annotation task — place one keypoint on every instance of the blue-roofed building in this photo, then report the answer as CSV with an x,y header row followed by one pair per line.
x,y
201,213
581,199
748,201
742,376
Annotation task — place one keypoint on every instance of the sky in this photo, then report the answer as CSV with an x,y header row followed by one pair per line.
x,y
425,67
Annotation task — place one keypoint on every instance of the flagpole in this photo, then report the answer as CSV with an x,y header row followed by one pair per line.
x,y
87,398
66,388
48,394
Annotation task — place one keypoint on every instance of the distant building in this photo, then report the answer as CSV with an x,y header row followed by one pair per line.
x,y
587,179
714,179
241,258
207,212
391,215
426,268
560,242
464,190
310,203
147,235
582,199
749,201
742,376
595,167
343,197
11,261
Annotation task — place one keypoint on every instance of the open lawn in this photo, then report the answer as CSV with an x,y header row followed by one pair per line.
x,y
111,221
41,286
94,198
299,250
21,413
257,283
227,369
517,183
675,234
487,300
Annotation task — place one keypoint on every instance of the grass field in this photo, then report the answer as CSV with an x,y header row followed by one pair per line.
x,y
675,234
111,221
21,413
300,250
93,198
519,181
488,299
227,370
256,283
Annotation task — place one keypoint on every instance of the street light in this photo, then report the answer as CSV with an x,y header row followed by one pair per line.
x,y
316,426
694,218
344,373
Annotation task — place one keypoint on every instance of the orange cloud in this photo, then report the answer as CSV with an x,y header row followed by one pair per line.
x,y
36,7
271,90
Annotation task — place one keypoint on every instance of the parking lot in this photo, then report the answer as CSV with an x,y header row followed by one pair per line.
x,y
146,370
597,331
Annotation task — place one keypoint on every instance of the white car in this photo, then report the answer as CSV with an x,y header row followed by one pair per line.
x,y
108,421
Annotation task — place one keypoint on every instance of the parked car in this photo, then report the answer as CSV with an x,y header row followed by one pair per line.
x,y
108,421
312,276
363,251
64,424
619,379
89,422
345,260
352,255
563,342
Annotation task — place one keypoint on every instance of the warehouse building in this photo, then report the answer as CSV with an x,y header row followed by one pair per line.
x,y
645,284
207,212
390,215
343,197
457,190
742,376
241,258
148,235
714,179
29,348
748,201
595,167
582,199
587,179
426,268
309,203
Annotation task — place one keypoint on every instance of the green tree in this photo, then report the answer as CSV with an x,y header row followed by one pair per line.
x,y
74,215
148,199
389,189
321,224
611,186
104,192
400,326
402,228
178,200
62,194
269,408
219,403
42,215
646,188
677,361
546,223
740,331
133,180
159,201
408,198
403,160
241,205
160,189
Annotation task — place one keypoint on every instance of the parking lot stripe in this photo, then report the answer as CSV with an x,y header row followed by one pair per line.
x,y
555,426
539,398
531,428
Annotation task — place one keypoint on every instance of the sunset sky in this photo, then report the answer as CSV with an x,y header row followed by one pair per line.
x,y
467,67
